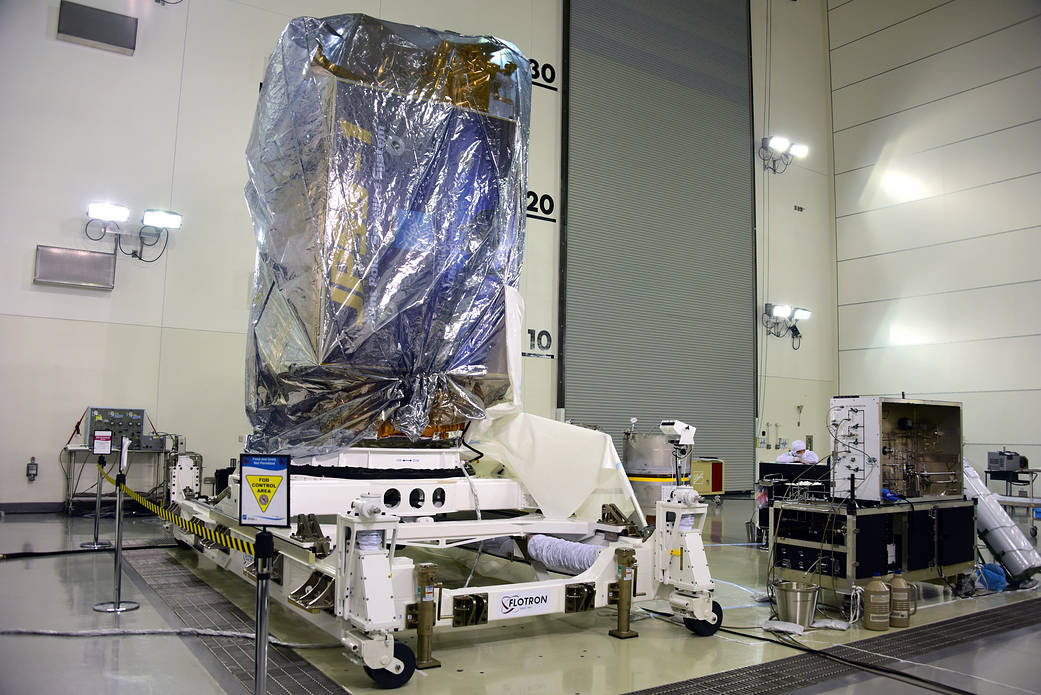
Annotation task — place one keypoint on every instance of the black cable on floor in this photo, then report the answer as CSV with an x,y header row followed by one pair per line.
x,y
877,670
79,551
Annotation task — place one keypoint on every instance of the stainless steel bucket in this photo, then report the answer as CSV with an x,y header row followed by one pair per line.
x,y
796,602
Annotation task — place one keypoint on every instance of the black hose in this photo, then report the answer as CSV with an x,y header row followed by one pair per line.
x,y
78,551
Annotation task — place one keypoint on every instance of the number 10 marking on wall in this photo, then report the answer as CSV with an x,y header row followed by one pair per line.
x,y
541,340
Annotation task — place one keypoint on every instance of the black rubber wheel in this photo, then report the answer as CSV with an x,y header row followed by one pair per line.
x,y
388,679
704,628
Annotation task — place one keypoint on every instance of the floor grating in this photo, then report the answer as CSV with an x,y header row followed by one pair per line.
x,y
785,675
198,605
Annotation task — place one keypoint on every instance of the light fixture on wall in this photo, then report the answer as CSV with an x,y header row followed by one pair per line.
x,y
161,219
108,212
777,152
155,225
782,320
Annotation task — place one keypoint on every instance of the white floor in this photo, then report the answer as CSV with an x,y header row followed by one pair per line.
x,y
562,654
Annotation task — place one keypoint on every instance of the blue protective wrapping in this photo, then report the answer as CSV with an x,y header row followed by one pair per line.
x,y
387,170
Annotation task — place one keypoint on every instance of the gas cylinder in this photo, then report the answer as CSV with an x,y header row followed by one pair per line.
x,y
876,604
901,607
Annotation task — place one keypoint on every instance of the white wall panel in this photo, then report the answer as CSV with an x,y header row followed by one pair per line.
x,y
781,407
799,105
862,17
508,20
310,8
197,398
539,286
52,370
996,417
998,156
795,249
69,137
993,365
990,209
540,283
989,58
801,257
997,260
890,182
222,73
960,116
990,312
946,26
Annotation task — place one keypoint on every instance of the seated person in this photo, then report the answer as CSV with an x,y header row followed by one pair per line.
x,y
799,454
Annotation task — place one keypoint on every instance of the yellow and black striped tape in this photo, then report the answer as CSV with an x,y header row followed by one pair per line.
x,y
192,527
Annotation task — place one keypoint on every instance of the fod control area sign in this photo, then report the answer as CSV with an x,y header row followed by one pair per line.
x,y
264,490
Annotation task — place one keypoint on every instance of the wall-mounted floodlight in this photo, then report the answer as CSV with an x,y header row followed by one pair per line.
x,y
161,219
780,320
108,212
779,144
778,151
155,227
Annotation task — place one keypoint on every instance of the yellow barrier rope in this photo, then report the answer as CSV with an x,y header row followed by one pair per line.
x,y
192,527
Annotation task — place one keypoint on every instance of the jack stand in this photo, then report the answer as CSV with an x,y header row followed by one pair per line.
x,y
117,605
426,583
626,561
96,544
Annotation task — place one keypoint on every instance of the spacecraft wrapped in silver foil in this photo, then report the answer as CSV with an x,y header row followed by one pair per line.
x,y
387,179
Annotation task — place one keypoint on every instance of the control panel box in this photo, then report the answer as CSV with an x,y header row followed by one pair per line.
x,y
1005,461
121,422
892,449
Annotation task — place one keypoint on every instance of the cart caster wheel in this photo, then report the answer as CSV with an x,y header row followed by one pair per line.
x,y
1033,531
718,500
388,679
704,628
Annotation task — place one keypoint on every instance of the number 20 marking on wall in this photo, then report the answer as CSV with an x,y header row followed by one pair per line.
x,y
540,204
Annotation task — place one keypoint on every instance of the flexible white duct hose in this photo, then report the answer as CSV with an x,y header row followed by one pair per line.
x,y
557,553
1006,541
369,540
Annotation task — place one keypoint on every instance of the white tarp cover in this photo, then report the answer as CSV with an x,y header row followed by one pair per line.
x,y
567,469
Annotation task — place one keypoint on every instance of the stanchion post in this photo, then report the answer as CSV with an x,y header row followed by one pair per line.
x,y
264,552
626,558
117,605
426,614
97,544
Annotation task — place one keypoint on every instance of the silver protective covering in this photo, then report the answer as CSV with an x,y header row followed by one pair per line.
x,y
387,172
1007,542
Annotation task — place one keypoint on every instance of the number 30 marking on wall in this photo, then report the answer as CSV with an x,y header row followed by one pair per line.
x,y
543,74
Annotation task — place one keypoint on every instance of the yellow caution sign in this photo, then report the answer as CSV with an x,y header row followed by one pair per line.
x,y
264,488
267,501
